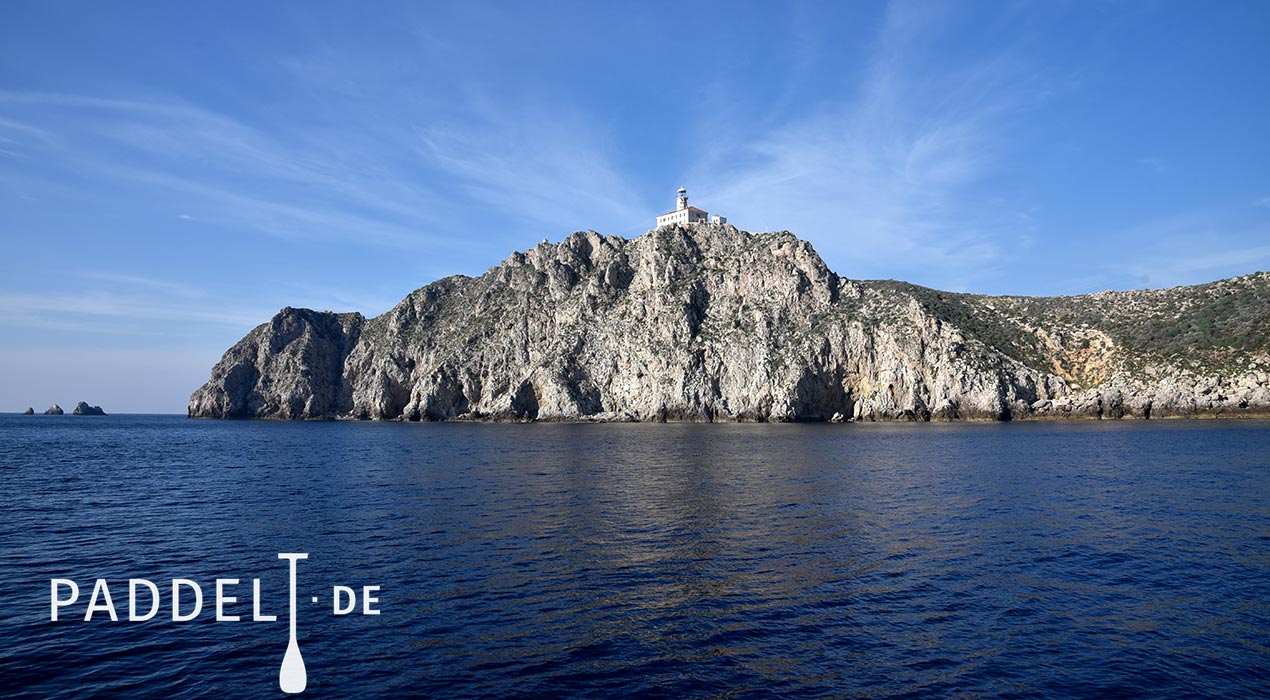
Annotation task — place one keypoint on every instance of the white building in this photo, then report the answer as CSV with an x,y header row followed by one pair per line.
x,y
684,214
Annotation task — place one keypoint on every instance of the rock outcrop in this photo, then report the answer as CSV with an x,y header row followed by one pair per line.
x,y
29,411
83,409
54,410
710,323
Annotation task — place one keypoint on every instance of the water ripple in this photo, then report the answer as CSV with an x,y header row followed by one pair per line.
x,y
671,561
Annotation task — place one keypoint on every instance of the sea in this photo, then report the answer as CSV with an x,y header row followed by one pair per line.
x,y
1004,560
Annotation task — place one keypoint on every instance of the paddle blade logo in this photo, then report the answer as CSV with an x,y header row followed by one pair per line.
x,y
292,677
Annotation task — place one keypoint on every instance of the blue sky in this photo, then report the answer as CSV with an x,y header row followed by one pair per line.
x,y
172,174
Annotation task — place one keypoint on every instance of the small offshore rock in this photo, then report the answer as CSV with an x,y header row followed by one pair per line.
x,y
29,411
83,409
54,410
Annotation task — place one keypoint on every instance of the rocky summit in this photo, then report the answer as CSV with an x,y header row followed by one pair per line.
x,y
704,322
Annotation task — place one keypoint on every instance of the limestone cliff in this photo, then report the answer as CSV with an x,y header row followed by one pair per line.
x,y
709,323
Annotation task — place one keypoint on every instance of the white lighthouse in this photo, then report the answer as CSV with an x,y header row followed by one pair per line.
x,y
684,214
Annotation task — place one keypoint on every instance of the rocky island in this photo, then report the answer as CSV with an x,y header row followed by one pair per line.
x,y
54,410
83,409
705,322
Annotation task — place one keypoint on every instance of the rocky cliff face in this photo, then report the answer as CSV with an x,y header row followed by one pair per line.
x,y
709,323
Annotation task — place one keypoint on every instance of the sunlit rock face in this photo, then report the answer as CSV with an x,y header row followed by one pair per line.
x,y
705,322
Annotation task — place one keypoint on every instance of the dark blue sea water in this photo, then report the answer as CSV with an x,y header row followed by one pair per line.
x,y
1120,559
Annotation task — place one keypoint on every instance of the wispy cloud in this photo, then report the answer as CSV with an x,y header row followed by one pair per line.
x,y
126,304
31,308
528,156
144,305
1165,267
549,167
169,287
313,219
313,181
12,132
1241,260
405,183
887,175
1192,248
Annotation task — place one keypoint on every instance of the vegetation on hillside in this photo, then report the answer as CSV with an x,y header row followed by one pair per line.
x,y
1205,324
